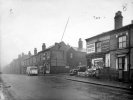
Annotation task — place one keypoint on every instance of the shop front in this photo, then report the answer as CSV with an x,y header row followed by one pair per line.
x,y
96,60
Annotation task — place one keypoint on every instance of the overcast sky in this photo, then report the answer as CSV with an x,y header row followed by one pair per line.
x,y
26,24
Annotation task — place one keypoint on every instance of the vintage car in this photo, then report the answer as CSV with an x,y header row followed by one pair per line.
x,y
73,72
81,70
91,72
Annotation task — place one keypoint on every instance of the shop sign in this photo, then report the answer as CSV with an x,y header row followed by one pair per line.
x,y
91,48
105,45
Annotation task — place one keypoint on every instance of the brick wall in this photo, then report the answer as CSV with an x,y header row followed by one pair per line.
x,y
113,42
112,59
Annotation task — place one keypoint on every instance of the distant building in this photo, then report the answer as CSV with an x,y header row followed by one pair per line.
x,y
51,59
16,66
113,51
76,55
58,58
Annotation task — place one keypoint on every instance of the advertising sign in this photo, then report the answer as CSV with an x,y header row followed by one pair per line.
x,y
90,48
105,45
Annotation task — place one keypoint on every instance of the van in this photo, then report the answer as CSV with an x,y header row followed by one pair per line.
x,y
32,70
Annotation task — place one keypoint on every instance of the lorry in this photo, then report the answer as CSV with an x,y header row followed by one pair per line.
x,y
32,70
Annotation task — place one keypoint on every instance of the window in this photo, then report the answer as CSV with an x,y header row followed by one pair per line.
x,y
98,46
71,55
122,41
122,63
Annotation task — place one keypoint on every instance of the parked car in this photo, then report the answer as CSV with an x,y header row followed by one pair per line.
x,y
81,70
73,72
91,72
32,70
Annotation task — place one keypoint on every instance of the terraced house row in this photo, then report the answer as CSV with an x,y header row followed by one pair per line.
x,y
58,58
112,51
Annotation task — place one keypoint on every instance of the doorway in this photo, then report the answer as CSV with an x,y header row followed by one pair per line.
x,y
121,67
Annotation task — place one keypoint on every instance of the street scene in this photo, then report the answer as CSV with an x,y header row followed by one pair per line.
x,y
66,50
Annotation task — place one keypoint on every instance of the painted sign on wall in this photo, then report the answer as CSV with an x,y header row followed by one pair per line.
x,y
90,48
105,45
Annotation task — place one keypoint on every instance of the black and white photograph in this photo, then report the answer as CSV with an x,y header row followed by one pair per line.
x,y
66,49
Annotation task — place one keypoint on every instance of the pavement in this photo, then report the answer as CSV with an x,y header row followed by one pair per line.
x,y
4,94
96,81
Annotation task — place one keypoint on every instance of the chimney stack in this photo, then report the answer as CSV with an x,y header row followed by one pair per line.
x,y
131,21
22,54
19,56
118,20
43,46
35,51
80,44
29,53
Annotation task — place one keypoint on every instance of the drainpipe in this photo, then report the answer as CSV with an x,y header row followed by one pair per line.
x,y
129,54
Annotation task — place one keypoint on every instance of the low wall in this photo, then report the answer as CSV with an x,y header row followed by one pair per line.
x,y
108,73
58,69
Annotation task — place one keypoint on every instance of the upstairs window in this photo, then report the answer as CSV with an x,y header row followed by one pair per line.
x,y
122,40
71,55
98,46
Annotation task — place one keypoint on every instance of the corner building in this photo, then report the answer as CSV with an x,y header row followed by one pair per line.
x,y
113,51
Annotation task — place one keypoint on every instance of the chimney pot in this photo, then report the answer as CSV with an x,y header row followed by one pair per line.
x,y
80,44
29,53
43,46
35,51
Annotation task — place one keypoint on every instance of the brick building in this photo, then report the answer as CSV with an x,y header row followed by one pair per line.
x,y
56,58
76,56
113,51
49,60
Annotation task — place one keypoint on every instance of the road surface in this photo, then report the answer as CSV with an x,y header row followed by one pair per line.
x,y
51,87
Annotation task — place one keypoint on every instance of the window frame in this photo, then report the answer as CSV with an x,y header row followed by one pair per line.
x,y
123,43
122,63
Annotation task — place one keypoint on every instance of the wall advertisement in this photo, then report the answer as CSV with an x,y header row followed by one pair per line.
x,y
90,48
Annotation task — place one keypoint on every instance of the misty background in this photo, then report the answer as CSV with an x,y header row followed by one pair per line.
x,y
26,24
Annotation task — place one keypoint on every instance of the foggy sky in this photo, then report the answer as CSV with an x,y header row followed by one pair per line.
x,y
26,24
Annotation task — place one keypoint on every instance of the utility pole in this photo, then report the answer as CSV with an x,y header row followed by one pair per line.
x,y
65,28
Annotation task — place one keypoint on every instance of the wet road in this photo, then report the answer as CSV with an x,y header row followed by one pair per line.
x,y
57,88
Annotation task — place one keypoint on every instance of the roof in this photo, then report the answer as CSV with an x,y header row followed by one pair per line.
x,y
110,32
60,43
47,49
77,49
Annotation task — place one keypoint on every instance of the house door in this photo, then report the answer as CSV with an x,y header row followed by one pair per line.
x,y
121,65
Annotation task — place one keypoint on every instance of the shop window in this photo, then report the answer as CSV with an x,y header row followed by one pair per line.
x,y
122,41
98,46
